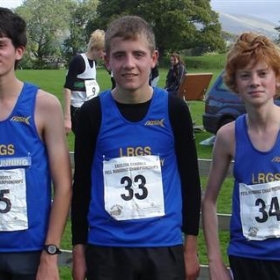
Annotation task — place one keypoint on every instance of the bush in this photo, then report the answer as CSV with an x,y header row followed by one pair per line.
x,y
213,61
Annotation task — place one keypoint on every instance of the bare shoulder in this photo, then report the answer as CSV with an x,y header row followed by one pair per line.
x,y
48,111
46,100
227,130
225,138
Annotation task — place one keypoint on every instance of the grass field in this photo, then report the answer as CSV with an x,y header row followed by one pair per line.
x,y
53,80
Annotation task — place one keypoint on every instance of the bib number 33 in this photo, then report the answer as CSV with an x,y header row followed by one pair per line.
x,y
133,187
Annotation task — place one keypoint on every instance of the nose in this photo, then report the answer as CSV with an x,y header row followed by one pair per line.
x,y
129,61
255,79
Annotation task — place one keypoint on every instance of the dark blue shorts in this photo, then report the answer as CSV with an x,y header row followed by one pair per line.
x,y
248,269
19,266
117,263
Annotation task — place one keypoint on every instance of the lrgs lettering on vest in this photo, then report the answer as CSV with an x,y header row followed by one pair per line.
x,y
135,151
261,178
7,149
138,151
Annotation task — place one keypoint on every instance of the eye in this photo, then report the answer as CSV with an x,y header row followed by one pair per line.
x,y
244,76
118,55
138,54
263,73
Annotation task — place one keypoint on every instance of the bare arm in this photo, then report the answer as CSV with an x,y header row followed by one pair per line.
x,y
222,155
76,67
191,258
49,122
67,110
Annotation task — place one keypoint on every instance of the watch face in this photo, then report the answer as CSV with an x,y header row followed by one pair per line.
x,y
52,249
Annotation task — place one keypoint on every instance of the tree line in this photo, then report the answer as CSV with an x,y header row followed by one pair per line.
x,y
58,29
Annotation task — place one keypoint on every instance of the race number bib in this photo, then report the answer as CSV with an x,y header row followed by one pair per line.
x,y
92,88
260,210
133,187
13,209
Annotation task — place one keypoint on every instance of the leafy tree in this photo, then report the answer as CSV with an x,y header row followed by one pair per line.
x,y
178,24
47,22
278,29
80,13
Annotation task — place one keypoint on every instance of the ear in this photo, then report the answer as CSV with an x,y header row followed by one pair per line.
x,y
20,52
155,56
107,62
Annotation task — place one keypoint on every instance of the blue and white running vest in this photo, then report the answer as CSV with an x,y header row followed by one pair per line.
x,y
80,92
25,184
136,189
255,222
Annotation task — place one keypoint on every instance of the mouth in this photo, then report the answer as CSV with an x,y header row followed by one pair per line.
x,y
255,92
129,75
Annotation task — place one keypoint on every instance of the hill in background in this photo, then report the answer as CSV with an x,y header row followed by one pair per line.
x,y
238,23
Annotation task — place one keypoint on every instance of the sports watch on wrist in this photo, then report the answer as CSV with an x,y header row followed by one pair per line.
x,y
51,249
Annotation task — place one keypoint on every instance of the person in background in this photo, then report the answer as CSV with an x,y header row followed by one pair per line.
x,y
113,82
136,183
154,76
252,141
33,158
81,83
175,74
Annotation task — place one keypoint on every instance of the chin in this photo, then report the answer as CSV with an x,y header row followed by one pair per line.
x,y
130,86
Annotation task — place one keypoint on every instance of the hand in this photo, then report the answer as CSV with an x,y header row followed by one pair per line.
x,y
47,269
218,271
79,267
192,267
68,126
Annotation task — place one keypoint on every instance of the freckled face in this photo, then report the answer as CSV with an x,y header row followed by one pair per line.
x,y
256,83
131,62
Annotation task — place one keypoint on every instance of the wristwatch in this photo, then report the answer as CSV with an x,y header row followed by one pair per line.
x,y
52,249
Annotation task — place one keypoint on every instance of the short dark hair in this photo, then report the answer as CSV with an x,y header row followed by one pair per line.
x,y
13,27
129,27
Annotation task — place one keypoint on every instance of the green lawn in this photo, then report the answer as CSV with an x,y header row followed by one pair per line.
x,y
53,80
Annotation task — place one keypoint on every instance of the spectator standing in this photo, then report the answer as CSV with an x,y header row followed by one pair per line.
x,y
81,83
136,183
154,76
252,141
33,156
175,74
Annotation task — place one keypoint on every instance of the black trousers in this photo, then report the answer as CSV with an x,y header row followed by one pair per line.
x,y
116,263
74,117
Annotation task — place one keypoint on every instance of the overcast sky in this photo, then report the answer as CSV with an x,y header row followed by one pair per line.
x,y
267,9
10,3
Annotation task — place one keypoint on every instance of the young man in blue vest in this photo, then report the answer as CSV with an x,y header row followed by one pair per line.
x,y
252,141
136,185
33,157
